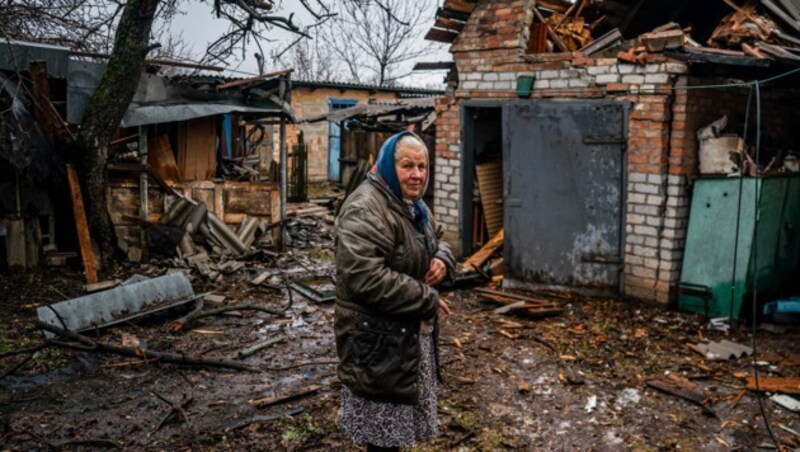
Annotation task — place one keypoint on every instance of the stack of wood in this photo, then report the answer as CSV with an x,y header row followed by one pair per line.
x,y
573,31
563,30
765,29
487,261
201,241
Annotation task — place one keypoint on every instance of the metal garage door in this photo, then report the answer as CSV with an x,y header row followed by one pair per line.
x,y
563,166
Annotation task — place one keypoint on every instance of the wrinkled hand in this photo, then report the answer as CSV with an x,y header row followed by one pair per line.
x,y
436,272
444,308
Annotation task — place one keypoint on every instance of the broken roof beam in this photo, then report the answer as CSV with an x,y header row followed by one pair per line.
x,y
440,35
607,40
248,81
433,66
775,9
461,6
441,12
447,23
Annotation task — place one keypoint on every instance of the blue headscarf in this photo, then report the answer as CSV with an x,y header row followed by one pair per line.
x,y
384,168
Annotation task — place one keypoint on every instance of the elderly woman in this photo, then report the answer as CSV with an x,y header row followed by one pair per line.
x,y
389,258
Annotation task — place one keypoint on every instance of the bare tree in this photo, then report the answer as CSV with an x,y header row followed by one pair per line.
x,y
377,36
86,24
311,59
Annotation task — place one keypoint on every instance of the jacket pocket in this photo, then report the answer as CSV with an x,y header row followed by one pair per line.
x,y
383,365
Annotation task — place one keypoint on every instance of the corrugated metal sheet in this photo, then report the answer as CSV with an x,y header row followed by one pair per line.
x,y
17,56
376,109
157,99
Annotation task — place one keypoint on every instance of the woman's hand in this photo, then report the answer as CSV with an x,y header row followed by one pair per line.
x,y
436,272
444,308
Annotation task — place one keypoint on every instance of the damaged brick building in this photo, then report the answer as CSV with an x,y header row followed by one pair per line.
x,y
594,146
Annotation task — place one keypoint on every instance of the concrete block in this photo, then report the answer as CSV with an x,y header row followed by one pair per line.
x,y
547,75
636,198
541,84
598,70
578,83
656,78
491,77
647,188
607,78
635,219
474,75
655,200
637,177
645,230
633,79
503,85
485,85
646,210
626,68
557,84
469,85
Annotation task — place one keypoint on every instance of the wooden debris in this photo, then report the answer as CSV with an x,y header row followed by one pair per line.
x,y
531,306
658,41
483,254
83,343
271,401
607,40
82,226
786,385
683,388
259,347
102,285
231,426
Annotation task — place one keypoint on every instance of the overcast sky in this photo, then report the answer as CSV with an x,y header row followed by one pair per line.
x,y
199,26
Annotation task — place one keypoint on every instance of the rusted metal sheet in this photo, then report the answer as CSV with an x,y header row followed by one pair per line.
x,y
563,187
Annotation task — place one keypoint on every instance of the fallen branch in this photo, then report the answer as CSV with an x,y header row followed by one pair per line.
x,y
270,401
87,345
178,410
258,347
185,322
271,417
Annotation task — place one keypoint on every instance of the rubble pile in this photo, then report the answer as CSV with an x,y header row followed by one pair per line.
x,y
765,29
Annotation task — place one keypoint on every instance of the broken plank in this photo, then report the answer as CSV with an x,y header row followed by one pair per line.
x,y
483,254
683,388
81,225
512,296
787,385
270,401
605,41
102,285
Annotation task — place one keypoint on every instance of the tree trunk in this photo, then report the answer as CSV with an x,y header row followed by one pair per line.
x,y
104,113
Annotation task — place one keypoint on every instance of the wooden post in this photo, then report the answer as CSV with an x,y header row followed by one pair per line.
x,y
275,213
15,243
143,201
81,225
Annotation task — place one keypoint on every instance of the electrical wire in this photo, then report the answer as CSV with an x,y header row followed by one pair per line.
x,y
739,207
742,84
758,185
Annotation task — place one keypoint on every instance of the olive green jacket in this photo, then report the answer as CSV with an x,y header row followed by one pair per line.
x,y
381,299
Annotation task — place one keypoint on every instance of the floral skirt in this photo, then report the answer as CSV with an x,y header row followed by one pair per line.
x,y
392,424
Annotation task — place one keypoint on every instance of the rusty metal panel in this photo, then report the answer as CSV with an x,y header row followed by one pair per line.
x,y
563,187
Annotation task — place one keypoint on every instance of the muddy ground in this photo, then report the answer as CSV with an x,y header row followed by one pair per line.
x,y
576,381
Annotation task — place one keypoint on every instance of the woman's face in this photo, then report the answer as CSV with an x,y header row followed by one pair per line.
x,y
412,171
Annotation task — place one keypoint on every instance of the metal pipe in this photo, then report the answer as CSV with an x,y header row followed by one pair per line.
x,y
284,164
143,183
